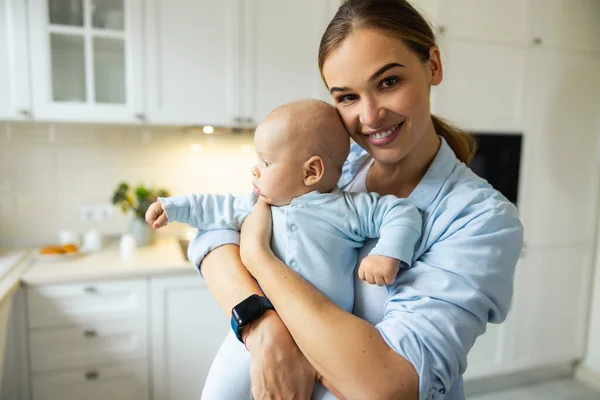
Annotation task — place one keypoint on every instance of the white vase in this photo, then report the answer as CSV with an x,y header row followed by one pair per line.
x,y
144,235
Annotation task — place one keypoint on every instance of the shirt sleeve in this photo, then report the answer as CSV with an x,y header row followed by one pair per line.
x,y
395,221
208,211
206,241
437,308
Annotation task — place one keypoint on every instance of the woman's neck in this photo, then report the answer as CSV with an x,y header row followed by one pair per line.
x,y
401,178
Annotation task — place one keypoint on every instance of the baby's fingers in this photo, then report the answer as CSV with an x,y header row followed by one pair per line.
x,y
160,221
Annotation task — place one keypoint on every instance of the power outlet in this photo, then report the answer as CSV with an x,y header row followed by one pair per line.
x,y
97,212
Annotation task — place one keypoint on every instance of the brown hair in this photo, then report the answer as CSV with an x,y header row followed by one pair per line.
x,y
399,19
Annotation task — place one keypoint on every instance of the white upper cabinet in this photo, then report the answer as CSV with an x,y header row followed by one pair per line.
x,y
481,89
280,46
86,60
559,186
478,46
192,61
567,24
14,63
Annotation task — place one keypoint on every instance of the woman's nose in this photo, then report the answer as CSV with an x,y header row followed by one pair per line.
x,y
371,113
254,171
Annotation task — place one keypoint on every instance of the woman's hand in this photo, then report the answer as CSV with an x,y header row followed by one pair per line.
x,y
255,238
278,370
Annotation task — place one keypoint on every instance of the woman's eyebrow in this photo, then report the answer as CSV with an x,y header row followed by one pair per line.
x,y
376,75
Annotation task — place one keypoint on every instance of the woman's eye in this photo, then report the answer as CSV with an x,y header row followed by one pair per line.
x,y
388,82
346,98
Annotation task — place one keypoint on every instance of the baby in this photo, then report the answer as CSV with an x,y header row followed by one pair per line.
x,y
317,229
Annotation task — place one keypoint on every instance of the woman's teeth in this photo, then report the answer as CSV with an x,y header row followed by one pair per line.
x,y
384,134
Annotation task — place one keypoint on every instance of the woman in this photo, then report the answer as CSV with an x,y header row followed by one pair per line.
x,y
409,340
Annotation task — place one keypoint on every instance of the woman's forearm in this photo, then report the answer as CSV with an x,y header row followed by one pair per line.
x,y
348,351
227,278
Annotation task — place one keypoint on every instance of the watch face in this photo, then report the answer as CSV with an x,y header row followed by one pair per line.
x,y
247,311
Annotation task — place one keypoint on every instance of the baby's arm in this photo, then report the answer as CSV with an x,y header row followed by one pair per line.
x,y
201,211
397,223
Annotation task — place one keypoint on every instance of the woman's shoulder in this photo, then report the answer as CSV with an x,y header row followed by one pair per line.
x,y
467,200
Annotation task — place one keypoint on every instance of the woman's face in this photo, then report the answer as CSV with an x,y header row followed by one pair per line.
x,y
381,90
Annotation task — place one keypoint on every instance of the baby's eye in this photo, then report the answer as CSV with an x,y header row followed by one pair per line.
x,y
265,164
388,82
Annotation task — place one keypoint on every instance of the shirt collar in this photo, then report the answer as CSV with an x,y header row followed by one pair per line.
x,y
437,174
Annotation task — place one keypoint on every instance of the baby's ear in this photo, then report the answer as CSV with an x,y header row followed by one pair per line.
x,y
314,169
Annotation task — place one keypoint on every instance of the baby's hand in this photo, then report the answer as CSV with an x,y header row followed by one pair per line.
x,y
378,270
156,216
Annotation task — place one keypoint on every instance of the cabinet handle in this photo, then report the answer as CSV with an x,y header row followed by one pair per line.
x,y
91,375
140,116
90,289
90,333
237,120
537,41
249,120
24,112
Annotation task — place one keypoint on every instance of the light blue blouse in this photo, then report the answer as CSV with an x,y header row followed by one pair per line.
x,y
461,277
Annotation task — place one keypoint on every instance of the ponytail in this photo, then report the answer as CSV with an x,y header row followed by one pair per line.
x,y
463,144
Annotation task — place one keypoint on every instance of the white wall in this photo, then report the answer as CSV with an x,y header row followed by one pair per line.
x,y
47,173
590,367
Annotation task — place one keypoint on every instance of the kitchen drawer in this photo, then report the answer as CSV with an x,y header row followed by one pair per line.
x,y
124,382
101,342
80,303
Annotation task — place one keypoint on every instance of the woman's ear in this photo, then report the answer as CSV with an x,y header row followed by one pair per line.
x,y
434,66
314,169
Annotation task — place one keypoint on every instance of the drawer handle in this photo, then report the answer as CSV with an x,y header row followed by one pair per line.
x,y
90,333
90,289
91,375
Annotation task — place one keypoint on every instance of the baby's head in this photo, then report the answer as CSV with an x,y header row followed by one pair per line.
x,y
301,147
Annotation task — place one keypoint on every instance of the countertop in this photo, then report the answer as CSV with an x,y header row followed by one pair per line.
x,y
164,257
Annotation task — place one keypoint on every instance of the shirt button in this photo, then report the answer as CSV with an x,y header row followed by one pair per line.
x,y
293,228
294,264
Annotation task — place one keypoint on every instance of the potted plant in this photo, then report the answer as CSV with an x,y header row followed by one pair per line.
x,y
137,200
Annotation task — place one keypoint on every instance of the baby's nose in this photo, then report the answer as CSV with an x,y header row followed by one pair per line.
x,y
254,171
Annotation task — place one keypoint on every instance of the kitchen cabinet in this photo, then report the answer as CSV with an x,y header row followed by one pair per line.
x,y
482,91
560,177
476,43
280,49
192,61
187,329
550,306
567,24
14,61
86,60
104,382
88,339
229,63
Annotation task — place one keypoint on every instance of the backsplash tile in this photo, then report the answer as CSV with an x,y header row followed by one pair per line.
x,y
49,171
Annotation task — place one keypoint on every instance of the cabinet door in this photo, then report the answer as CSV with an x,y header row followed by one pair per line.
x,y
567,24
485,21
483,86
192,61
280,47
550,306
187,329
560,180
86,60
14,61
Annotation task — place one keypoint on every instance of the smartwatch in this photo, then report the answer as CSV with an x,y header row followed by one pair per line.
x,y
247,311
